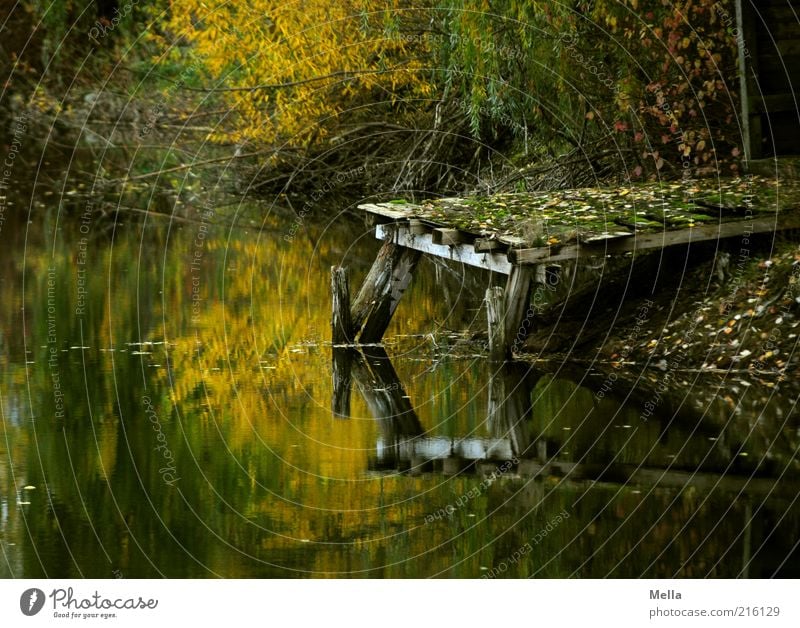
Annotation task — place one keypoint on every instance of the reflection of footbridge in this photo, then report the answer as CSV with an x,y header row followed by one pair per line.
x,y
403,446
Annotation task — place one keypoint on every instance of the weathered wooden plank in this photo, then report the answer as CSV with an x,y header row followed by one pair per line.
x,y
496,314
636,475
463,253
389,212
341,323
661,239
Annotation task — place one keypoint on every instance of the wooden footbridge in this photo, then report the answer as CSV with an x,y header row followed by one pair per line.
x,y
521,236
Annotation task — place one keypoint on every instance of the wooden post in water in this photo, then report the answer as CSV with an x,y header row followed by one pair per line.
x,y
341,324
495,313
382,290
518,303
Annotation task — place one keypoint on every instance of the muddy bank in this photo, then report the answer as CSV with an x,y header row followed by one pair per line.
x,y
731,308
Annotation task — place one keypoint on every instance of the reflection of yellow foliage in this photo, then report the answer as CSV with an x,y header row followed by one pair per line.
x,y
327,52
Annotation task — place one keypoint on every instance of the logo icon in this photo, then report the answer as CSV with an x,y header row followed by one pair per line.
x,y
31,602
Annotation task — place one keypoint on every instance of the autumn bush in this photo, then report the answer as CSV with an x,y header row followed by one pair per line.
x,y
611,88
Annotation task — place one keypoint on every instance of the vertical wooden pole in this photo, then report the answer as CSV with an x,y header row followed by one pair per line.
x,y
517,306
495,314
341,324
750,91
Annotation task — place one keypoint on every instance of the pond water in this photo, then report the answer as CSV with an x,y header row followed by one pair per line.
x,y
166,402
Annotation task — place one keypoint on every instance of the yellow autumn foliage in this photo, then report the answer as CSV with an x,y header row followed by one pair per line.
x,y
289,70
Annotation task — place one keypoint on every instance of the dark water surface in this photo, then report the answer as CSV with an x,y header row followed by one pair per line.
x,y
166,405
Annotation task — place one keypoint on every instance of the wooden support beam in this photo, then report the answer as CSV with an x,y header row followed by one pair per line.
x,y
341,323
496,262
483,245
382,290
448,237
418,227
661,239
496,314
517,306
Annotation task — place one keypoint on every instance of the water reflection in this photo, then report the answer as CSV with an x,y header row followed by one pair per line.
x,y
294,460
519,434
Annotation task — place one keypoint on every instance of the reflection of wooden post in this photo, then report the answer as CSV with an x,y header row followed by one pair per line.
x,y
510,407
384,393
342,382
381,291
341,325
495,313
387,401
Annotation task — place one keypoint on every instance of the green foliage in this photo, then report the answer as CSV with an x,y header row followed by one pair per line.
x,y
656,83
